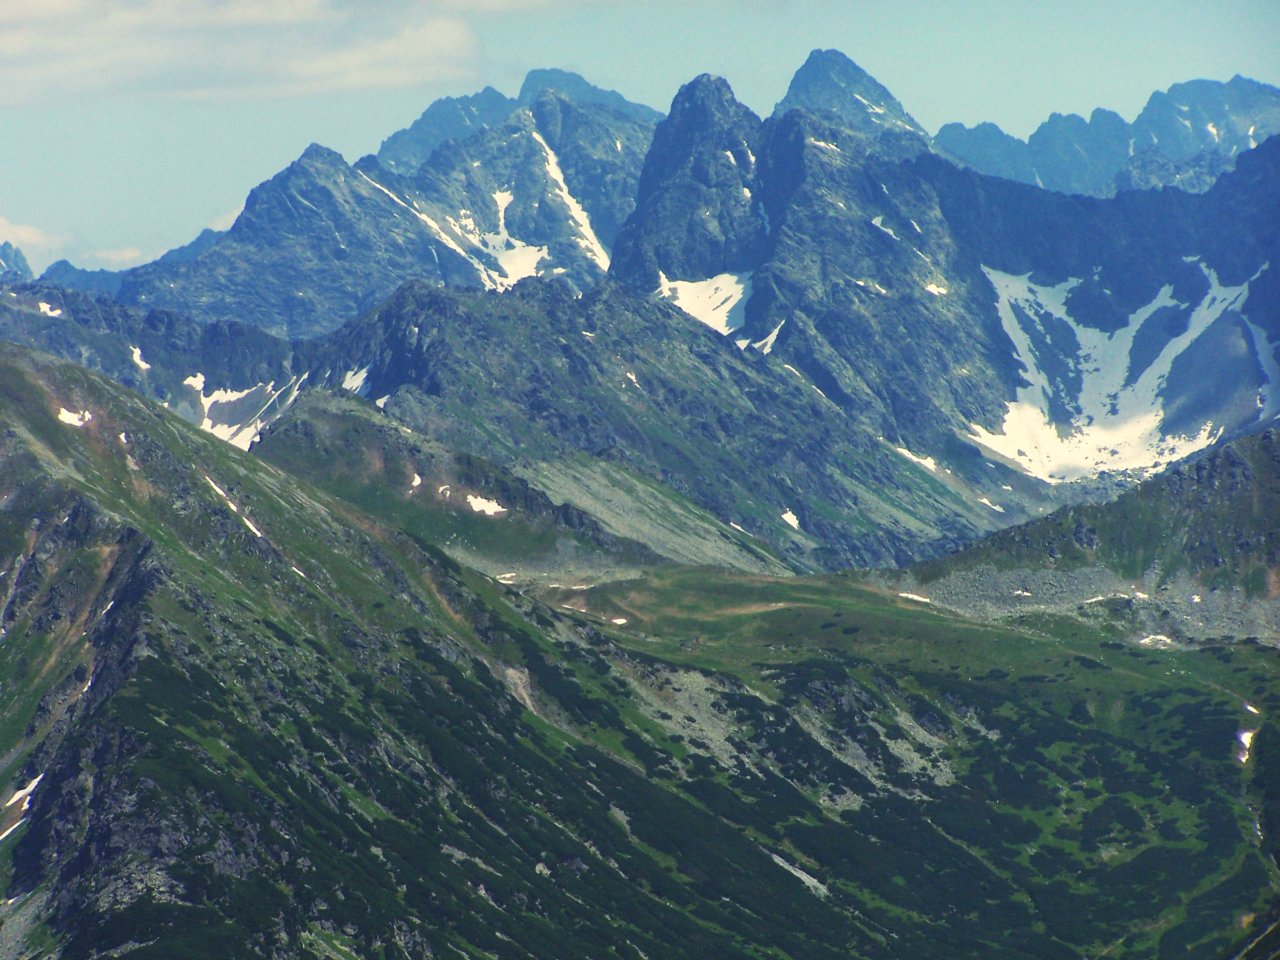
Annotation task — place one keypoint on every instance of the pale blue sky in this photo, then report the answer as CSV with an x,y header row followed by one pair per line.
x,y
126,127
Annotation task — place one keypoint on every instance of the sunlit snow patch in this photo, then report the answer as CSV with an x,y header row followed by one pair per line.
x,y
878,223
987,503
74,419
936,290
234,509
1246,743
790,519
765,346
354,380
23,796
1115,425
490,508
927,462
138,362
586,238
49,311
719,302
1158,641
239,416
916,597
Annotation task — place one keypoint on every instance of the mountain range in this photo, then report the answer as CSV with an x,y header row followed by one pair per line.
x,y
1185,136
968,360
470,550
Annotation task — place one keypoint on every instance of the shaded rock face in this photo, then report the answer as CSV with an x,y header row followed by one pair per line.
x,y
1186,136
697,214
13,265
878,272
450,118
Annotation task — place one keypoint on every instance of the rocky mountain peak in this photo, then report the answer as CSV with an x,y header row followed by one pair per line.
x,y
576,88
13,265
450,118
703,159
830,81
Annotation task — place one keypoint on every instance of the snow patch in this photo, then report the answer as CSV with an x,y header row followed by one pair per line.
x,y
234,509
987,503
1113,426
1251,708
586,235
136,353
416,482
619,621
490,508
719,302
790,519
873,108
878,223
1246,743
765,346
13,828
354,380
238,417
1158,641
74,419
823,145
381,402
927,462
49,311
936,290
916,597
23,796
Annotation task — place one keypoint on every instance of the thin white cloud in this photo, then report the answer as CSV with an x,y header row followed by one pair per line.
x,y
223,221
56,49
118,258
39,246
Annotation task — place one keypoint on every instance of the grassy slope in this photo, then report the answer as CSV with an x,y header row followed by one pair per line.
x,y
383,752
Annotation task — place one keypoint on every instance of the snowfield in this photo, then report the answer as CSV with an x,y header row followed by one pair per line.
x,y
1116,419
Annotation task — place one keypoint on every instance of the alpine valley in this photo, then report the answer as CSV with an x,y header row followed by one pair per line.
x,y
582,531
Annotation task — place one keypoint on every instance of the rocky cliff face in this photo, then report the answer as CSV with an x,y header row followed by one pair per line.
x,y
1198,126
13,265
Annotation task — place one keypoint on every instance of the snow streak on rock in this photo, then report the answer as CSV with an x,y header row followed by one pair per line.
x,y
720,302
1116,421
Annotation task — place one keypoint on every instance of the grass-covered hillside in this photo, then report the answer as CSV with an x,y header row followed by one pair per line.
x,y
240,716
